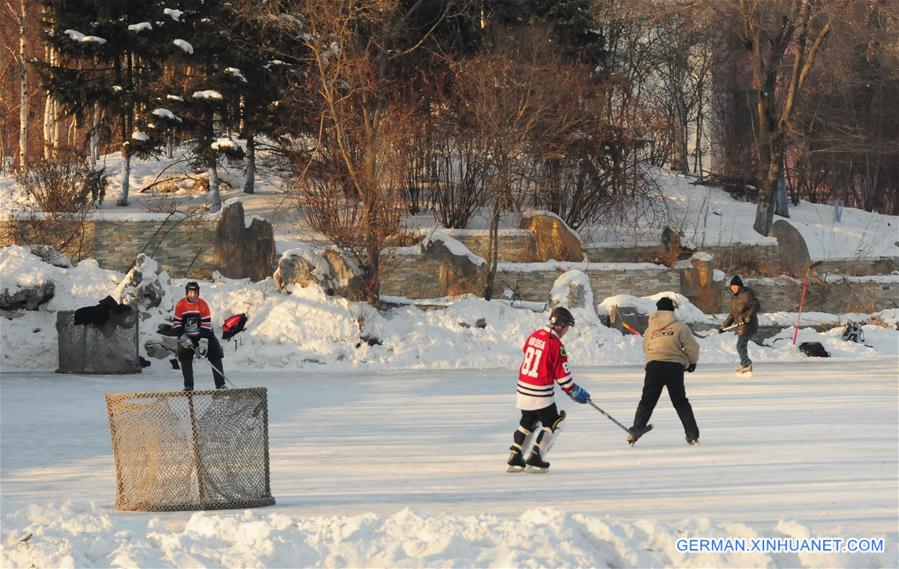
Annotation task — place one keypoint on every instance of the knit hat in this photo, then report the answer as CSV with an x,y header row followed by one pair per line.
x,y
665,303
736,281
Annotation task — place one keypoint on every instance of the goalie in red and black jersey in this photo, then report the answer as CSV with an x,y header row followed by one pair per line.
x,y
192,323
544,365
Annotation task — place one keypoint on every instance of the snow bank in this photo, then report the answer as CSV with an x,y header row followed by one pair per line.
x,y
83,534
305,327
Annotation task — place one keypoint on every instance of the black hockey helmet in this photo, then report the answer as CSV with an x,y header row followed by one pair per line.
x,y
560,316
192,285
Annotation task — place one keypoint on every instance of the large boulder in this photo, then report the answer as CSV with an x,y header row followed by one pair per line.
x,y
244,248
573,291
303,266
459,271
144,285
26,297
554,239
347,277
794,255
337,275
698,282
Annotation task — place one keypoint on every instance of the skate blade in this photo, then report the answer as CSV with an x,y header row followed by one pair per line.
x,y
515,469
536,470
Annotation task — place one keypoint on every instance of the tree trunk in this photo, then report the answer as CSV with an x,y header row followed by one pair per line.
x,y
764,213
781,203
126,174
250,179
95,136
23,89
683,154
493,250
214,185
373,283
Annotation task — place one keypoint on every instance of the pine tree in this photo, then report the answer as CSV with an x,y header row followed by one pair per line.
x,y
105,63
202,47
265,56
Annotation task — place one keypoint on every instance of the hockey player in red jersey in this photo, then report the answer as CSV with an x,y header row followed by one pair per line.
x,y
544,365
192,322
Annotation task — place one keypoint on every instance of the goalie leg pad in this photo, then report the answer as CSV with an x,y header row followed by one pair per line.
x,y
548,435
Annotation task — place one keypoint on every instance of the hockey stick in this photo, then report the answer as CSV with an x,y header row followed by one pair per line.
x,y
630,328
217,370
611,418
722,330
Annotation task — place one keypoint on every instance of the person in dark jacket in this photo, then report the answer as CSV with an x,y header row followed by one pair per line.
x,y
192,323
669,349
744,308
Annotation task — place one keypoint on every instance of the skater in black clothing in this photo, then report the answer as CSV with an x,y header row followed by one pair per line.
x,y
670,349
192,323
744,307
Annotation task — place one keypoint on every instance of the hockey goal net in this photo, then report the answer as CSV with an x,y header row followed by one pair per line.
x,y
200,450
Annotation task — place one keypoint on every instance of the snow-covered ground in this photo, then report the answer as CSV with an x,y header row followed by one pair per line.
x,y
706,216
306,329
406,469
393,454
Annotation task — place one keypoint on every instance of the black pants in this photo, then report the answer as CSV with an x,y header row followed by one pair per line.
x,y
548,417
670,375
186,357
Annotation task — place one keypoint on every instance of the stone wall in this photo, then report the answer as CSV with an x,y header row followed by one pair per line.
x,y
782,294
533,282
185,246
407,273
878,266
515,245
634,254
765,257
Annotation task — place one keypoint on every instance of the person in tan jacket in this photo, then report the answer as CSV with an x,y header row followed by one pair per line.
x,y
670,349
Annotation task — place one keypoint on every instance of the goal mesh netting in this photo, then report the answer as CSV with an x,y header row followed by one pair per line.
x,y
199,450
110,347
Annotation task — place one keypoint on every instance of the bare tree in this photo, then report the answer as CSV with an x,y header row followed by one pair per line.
x,y
845,140
509,90
23,85
772,31
351,181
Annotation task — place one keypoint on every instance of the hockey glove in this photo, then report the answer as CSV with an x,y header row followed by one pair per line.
x,y
579,394
203,347
691,368
184,342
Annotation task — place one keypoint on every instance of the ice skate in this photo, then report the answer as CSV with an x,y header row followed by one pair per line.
x,y
636,433
516,462
535,463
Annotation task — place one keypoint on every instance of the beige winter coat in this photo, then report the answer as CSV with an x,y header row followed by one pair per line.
x,y
667,339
